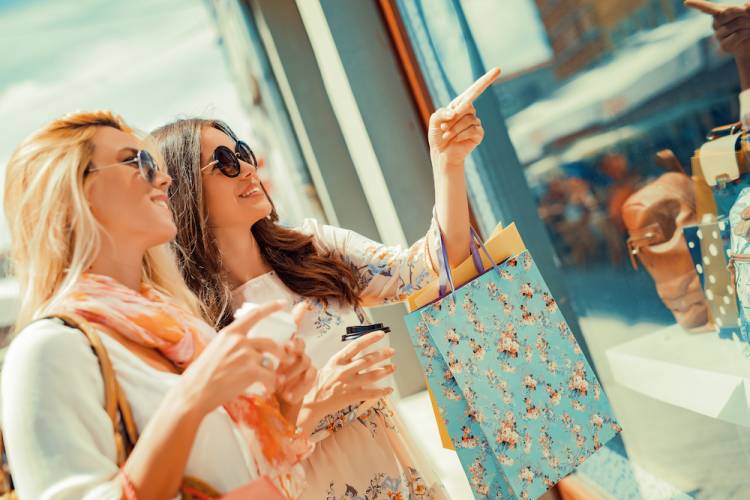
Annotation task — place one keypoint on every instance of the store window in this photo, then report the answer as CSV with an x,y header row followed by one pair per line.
x,y
605,128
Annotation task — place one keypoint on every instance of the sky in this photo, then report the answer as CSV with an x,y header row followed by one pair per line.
x,y
148,60
155,60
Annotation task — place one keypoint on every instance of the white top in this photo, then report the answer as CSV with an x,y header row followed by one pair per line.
x,y
387,274
367,449
58,436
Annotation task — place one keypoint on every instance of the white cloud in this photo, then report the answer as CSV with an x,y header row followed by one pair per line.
x,y
149,61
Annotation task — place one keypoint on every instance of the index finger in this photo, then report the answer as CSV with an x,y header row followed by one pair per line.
x,y
346,354
369,360
475,90
261,345
705,7
730,13
295,346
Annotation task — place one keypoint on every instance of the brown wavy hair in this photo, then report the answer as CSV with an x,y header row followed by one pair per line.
x,y
293,255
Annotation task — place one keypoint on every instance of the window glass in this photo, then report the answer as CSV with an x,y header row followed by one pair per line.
x,y
606,103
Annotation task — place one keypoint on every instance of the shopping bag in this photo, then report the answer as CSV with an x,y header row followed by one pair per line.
x,y
445,438
704,197
521,404
708,243
503,243
720,169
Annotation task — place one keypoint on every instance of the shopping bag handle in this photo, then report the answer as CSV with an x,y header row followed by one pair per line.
x,y
445,275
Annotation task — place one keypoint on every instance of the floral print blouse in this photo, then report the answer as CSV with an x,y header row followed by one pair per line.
x,y
361,452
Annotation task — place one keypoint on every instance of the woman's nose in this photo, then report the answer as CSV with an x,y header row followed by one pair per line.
x,y
162,181
247,169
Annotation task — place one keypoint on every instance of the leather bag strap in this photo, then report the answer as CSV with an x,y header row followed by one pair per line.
x,y
115,402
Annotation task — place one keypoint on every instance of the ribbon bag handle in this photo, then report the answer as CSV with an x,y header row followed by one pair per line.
x,y
445,274
118,408
115,402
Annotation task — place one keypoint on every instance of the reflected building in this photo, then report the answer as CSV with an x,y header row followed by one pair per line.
x,y
573,33
580,32
618,19
518,90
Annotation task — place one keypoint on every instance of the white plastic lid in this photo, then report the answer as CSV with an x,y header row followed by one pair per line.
x,y
278,326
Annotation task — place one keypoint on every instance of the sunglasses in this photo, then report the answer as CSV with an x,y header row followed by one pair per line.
x,y
142,160
228,161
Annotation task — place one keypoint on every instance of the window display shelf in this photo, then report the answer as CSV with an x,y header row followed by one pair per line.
x,y
699,372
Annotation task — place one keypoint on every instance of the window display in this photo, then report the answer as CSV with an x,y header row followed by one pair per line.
x,y
622,135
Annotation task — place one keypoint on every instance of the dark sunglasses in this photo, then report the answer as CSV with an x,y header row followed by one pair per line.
x,y
228,161
142,160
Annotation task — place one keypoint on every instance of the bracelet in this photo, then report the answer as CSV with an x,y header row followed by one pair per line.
x,y
127,486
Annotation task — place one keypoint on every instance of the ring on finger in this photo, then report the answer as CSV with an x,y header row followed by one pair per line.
x,y
266,361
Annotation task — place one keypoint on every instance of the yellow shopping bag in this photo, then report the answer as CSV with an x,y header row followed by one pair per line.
x,y
503,244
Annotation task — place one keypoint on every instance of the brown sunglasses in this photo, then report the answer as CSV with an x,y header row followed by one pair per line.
x,y
228,161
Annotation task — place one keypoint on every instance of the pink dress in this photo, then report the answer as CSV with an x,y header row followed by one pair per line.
x,y
361,452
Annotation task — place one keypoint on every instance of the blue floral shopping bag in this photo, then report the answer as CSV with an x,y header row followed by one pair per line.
x,y
521,404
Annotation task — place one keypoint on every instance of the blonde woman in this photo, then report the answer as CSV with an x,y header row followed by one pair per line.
x,y
89,221
232,249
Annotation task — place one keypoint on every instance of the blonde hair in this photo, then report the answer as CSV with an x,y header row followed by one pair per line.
x,y
54,235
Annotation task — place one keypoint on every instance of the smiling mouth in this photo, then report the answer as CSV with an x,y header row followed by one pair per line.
x,y
250,192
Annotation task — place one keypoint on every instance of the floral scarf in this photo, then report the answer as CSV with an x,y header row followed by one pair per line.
x,y
154,320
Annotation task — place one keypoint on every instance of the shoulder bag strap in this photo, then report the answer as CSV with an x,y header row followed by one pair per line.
x,y
115,402
119,412
6,481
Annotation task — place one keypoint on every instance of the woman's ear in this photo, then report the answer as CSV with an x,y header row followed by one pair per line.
x,y
87,189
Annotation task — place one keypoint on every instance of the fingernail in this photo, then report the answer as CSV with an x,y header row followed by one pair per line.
x,y
444,126
446,135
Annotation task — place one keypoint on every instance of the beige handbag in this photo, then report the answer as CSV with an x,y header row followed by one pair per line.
x,y
654,217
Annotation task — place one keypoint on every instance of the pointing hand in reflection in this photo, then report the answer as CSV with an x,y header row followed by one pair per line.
x,y
731,25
